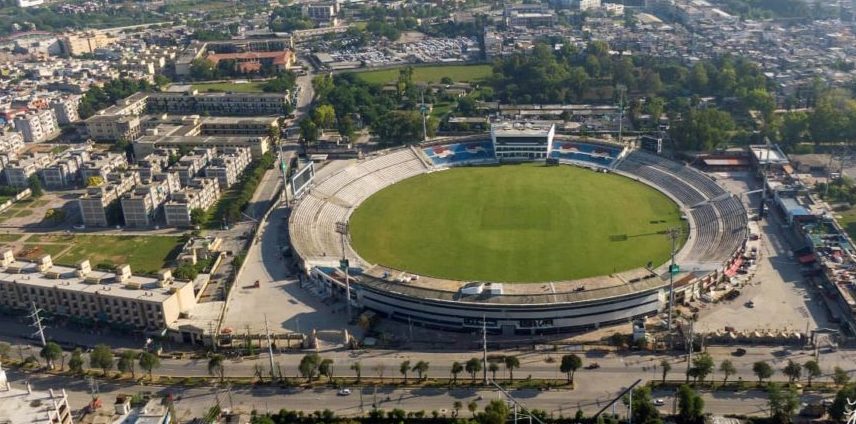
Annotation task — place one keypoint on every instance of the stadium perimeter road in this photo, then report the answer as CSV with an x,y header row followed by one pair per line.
x,y
279,297
195,402
782,298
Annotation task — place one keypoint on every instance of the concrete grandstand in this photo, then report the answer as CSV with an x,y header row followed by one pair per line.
x,y
717,235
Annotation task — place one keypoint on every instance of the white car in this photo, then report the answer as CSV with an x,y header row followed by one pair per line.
x,y
344,392
659,402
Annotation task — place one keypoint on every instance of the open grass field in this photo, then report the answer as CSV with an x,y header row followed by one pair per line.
x,y
145,254
235,87
516,223
458,73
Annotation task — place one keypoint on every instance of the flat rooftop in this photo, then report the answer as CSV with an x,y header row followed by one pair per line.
x,y
200,139
18,406
149,290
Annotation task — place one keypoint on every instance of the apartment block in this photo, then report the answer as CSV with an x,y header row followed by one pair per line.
x,y
201,193
117,298
65,109
231,126
101,165
220,104
191,165
84,43
37,126
95,202
228,166
11,142
113,127
148,144
141,205
18,172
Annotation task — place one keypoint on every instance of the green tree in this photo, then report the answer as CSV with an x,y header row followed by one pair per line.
x,y
457,405
783,403
309,131
511,362
665,366
216,366
793,370
324,116
702,366
404,368
840,377
101,357
75,363
569,365
309,365
644,411
690,406
50,353
421,369
5,348
358,370
838,409
473,366
457,368
812,370
148,362
496,412
699,78
727,369
126,362
472,406
325,368
493,368
762,370
198,217
35,186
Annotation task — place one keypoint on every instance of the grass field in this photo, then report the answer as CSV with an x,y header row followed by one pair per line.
x,y
145,254
458,73
242,87
520,223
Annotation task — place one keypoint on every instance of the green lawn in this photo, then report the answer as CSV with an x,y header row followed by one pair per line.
x,y
458,73
145,254
515,223
848,221
10,237
243,87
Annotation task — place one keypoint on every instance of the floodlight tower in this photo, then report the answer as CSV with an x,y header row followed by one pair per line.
x,y
342,229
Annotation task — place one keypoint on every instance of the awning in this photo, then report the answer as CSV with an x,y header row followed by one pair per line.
x,y
732,270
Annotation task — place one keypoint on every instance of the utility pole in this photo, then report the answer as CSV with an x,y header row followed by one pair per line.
x,y
342,229
284,169
270,349
690,348
37,322
673,234
484,349
423,109
517,404
621,90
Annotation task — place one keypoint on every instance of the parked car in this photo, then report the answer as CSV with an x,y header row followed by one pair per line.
x,y
659,402
344,392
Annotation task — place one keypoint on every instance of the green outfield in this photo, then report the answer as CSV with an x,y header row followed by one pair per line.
x,y
424,74
515,223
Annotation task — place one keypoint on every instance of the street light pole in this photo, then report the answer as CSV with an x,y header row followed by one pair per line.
x,y
673,234
342,229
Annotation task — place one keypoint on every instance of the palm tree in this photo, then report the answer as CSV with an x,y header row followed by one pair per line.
x,y
473,366
472,406
511,362
404,369
358,370
457,407
493,368
421,369
727,368
666,367
215,366
456,369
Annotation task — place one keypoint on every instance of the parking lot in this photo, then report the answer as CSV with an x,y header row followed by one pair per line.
x,y
781,297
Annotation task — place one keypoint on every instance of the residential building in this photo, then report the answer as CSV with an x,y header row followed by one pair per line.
x,y
148,144
231,126
85,42
115,298
26,405
113,127
322,13
65,109
220,104
95,205
201,193
101,165
251,62
18,172
529,15
30,3
37,126
11,142
228,166
141,205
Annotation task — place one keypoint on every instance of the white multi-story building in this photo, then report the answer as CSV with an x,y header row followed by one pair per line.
x,y
228,166
522,141
26,405
201,193
95,203
65,109
37,126
140,206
